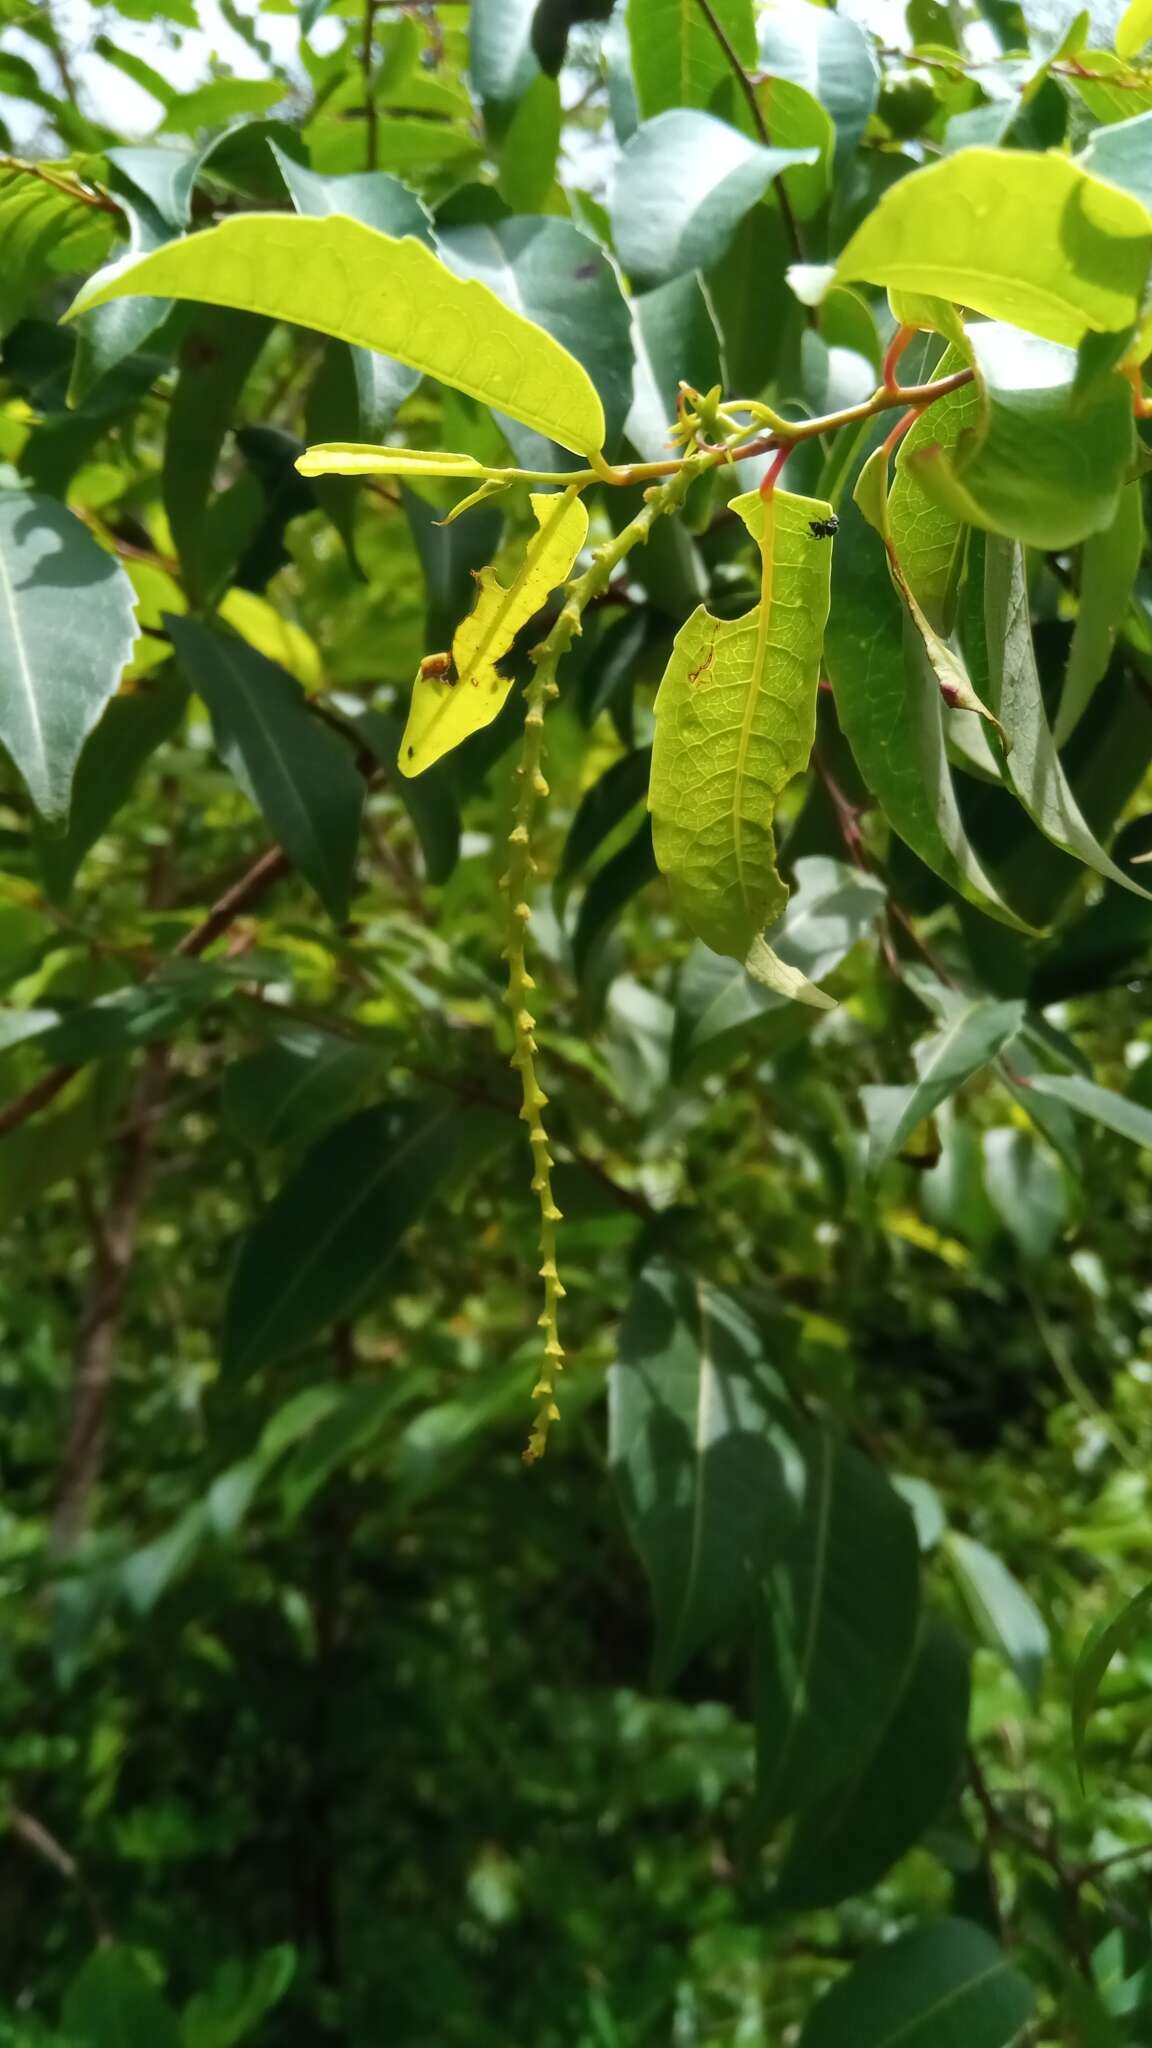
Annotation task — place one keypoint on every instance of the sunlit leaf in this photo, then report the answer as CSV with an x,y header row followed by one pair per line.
x,y
1108,567
683,184
448,707
735,720
1006,1617
376,292
1034,240
944,1062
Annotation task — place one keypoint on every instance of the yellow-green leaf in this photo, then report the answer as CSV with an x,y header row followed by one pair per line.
x,y
735,721
1035,240
448,708
377,292
364,458
1134,29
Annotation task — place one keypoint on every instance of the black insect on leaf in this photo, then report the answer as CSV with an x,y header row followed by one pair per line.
x,y
824,529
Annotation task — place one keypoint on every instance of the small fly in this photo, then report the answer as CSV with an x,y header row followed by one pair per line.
x,y
823,529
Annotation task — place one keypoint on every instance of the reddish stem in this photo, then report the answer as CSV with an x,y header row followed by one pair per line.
x,y
892,355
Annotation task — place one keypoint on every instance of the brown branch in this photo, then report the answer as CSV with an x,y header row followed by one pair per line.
x,y
102,201
51,1850
761,126
114,1234
371,113
260,876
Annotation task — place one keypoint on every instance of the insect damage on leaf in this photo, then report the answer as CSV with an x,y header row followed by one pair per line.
x,y
735,721
457,694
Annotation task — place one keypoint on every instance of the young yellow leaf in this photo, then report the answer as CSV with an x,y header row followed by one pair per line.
x,y
377,292
735,721
464,692
364,458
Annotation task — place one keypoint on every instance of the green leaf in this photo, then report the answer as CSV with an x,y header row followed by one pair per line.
x,y
1034,240
369,289
319,1250
928,536
1044,462
719,1008
797,120
216,356
66,632
1110,1637
694,1443
382,202
501,60
943,1986
847,1842
1108,568
127,736
360,1416
298,774
609,892
447,709
1134,28
684,183
675,339
111,2004
1006,1617
429,800
237,1999
738,700
1116,1112
831,57
221,101
944,1062
293,1090
1122,153
1026,1188
678,59
39,226
1033,765
838,1610
602,808
892,716
553,274
530,147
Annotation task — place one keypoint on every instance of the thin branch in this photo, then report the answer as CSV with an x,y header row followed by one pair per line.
x,y
102,201
761,126
51,1850
260,876
367,52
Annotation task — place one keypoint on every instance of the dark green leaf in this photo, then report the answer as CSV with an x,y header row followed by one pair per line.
x,y
847,1842
1116,1112
944,1063
216,355
557,276
1112,1635
602,808
300,775
695,1444
501,58
678,59
892,716
676,341
838,1611
130,731
946,1986
683,185
111,2004
530,147
66,632
830,56
292,1091
320,1250
610,890
1006,1616
1108,568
